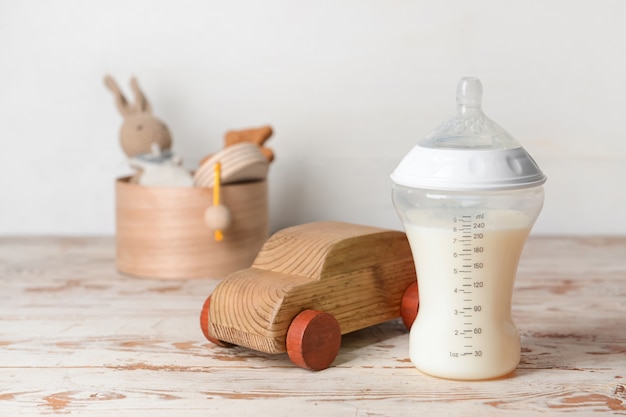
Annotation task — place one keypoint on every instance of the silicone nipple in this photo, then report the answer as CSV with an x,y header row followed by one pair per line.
x,y
469,92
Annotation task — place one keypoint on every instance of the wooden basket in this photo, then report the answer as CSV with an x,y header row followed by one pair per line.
x,y
161,233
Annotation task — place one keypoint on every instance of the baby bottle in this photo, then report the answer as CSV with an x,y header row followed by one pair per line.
x,y
467,195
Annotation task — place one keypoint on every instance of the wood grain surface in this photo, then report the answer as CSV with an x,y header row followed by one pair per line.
x,y
78,338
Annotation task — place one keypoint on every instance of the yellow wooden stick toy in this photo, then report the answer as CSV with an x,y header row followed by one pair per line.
x,y
217,216
216,196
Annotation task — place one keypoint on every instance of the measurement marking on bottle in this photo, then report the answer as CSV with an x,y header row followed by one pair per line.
x,y
467,258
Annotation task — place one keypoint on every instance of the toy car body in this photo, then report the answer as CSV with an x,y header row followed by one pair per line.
x,y
310,284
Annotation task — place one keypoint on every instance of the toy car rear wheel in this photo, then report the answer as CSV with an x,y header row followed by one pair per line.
x,y
313,340
204,325
409,305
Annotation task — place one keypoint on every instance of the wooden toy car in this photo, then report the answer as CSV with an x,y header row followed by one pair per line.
x,y
310,284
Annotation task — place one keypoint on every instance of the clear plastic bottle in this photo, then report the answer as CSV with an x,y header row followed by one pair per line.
x,y
468,195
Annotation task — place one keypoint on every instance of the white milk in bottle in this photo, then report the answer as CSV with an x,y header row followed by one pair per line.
x,y
464,327
468,195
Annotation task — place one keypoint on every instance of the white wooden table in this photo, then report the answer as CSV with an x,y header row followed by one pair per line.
x,y
76,337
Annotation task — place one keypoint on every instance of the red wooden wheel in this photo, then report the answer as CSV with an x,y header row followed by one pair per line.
x,y
204,325
313,340
410,305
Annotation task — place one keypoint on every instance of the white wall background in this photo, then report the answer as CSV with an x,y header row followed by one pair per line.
x,y
349,87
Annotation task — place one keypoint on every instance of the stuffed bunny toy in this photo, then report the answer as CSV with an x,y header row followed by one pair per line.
x,y
140,128
146,140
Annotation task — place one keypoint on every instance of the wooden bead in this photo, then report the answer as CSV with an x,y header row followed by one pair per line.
x,y
313,340
410,305
217,217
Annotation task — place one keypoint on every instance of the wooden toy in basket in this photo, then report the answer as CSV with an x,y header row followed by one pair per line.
x,y
209,230
310,284
170,226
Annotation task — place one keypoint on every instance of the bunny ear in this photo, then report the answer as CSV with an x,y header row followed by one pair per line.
x,y
141,102
120,100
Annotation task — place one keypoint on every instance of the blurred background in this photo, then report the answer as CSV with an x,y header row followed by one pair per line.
x,y
349,86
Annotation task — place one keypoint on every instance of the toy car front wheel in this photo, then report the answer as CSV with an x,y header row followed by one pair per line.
x,y
313,340
204,325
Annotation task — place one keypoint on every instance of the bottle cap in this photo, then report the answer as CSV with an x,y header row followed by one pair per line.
x,y
468,152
